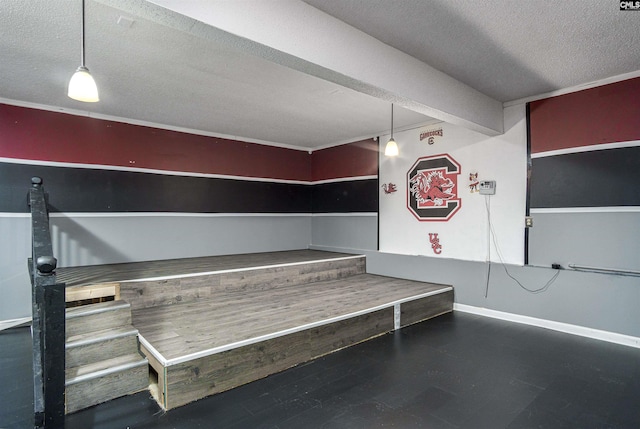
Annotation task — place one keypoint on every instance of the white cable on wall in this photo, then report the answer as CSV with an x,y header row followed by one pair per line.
x,y
499,253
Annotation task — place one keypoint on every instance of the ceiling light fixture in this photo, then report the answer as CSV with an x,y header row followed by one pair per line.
x,y
82,87
392,147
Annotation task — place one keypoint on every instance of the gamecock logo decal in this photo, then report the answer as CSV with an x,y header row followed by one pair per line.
x,y
433,188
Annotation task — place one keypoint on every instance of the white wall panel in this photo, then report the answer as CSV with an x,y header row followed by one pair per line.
x,y
466,234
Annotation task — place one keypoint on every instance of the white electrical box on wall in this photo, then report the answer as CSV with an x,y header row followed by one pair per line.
x,y
488,187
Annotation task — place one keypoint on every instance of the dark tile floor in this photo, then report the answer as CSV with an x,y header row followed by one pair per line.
x,y
455,371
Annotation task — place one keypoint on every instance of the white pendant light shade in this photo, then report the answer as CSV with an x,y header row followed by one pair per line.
x,y
82,87
391,149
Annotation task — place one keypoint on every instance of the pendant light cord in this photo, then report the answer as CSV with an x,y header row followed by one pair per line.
x,y
82,39
391,121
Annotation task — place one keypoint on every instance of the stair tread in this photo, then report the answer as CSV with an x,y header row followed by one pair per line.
x,y
96,367
100,307
100,335
97,388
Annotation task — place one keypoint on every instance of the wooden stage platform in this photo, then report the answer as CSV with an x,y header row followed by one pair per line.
x,y
207,325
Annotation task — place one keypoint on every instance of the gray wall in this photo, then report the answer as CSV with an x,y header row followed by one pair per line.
x,y
108,238
359,231
599,239
598,301
103,239
15,287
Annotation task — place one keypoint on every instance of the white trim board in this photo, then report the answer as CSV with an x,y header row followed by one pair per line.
x,y
180,173
351,214
145,170
12,323
182,214
168,214
238,270
613,209
590,148
343,179
582,331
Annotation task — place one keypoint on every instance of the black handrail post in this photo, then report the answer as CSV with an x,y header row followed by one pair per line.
x,y
48,326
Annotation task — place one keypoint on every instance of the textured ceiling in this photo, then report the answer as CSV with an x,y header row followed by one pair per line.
x,y
505,49
152,66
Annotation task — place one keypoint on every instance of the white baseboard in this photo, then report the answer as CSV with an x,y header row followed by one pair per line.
x,y
6,324
611,337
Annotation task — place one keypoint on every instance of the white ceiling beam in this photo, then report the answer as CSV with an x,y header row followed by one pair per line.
x,y
296,35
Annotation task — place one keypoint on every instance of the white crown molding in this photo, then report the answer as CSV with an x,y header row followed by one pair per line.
x,y
576,88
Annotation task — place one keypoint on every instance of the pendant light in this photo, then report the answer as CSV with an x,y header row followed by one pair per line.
x,y
82,87
392,147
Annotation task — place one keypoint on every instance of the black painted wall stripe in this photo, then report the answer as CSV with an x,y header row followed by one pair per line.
x,y
110,191
89,190
603,178
356,196
527,211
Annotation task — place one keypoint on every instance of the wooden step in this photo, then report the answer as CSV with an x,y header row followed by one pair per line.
x,y
169,290
91,347
100,292
97,317
102,381
200,349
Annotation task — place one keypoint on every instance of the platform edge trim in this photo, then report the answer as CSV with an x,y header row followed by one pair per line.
x,y
236,270
154,352
81,312
254,340
106,371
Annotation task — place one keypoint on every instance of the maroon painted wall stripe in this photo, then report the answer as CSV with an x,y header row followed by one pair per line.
x,y
606,114
350,160
33,134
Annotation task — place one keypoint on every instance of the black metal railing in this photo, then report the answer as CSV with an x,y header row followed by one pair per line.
x,y
48,309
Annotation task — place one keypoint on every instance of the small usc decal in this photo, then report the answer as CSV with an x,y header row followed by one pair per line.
x,y
432,191
435,243
473,182
389,188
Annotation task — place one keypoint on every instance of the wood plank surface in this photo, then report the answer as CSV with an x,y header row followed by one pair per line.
x,y
80,293
85,319
113,385
219,322
95,274
422,309
232,317
153,293
192,380
93,352
157,391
